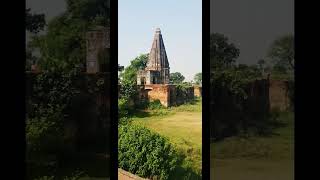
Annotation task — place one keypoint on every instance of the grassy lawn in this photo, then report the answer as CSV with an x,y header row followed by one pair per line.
x,y
182,126
260,158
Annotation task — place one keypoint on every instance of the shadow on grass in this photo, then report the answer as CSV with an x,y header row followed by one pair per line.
x,y
141,114
79,164
184,171
91,162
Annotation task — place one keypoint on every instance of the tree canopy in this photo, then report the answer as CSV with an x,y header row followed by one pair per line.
x,y
34,22
64,44
176,78
222,52
281,51
129,74
198,78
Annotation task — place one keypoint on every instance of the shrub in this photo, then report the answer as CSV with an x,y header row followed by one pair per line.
x,y
145,153
156,104
44,133
123,107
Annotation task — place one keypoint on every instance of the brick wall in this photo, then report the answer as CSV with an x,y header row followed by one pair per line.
x,y
279,98
197,91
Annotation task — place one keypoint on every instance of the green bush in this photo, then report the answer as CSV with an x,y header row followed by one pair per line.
x,y
145,153
123,107
156,104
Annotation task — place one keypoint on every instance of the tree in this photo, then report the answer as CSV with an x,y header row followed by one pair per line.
x,y
64,45
130,73
176,78
222,52
262,64
34,22
282,51
198,78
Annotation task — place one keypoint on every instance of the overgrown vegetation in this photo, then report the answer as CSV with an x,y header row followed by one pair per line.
x,y
137,142
182,126
229,86
276,146
55,92
145,153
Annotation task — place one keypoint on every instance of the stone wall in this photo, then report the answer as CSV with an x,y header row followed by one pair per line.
x,y
159,92
279,98
198,91
230,115
169,95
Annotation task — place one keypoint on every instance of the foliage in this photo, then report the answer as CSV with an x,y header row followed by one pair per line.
x,y
124,107
184,132
74,176
64,43
47,111
34,22
198,78
156,104
291,90
222,53
145,153
229,91
44,130
282,51
176,78
90,10
129,75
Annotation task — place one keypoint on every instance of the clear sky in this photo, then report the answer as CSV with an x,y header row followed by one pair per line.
x,y
180,22
252,24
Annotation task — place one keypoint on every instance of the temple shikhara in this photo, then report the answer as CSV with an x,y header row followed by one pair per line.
x,y
158,69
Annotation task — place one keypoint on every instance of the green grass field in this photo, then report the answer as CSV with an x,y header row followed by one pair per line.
x,y
254,158
182,125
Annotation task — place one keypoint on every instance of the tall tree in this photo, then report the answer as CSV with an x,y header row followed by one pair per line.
x,y
282,51
262,64
198,78
64,45
222,52
129,75
176,78
34,22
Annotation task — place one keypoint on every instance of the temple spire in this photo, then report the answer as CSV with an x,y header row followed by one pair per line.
x,y
157,70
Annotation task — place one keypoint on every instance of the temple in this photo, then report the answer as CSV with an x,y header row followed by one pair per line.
x,y
157,70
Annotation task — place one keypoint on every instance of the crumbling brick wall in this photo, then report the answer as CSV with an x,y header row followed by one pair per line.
x,y
230,115
197,91
279,98
159,92
169,95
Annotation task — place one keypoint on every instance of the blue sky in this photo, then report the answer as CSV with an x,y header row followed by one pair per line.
x,y
180,22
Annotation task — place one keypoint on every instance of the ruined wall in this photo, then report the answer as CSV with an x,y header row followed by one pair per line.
x,y
159,92
230,115
279,98
197,91
97,41
183,94
169,95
